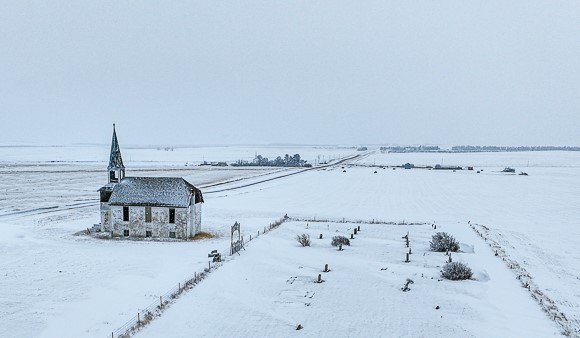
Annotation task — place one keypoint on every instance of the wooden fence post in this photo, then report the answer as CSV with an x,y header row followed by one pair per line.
x,y
160,301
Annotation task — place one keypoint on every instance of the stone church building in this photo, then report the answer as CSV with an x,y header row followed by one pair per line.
x,y
158,207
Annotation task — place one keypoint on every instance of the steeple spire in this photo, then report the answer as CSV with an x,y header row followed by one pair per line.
x,y
116,168
115,160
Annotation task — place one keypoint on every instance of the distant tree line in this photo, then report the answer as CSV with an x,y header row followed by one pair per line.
x,y
518,148
286,161
472,149
409,149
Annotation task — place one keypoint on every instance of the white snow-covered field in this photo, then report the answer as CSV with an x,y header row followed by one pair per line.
x,y
57,284
156,156
270,289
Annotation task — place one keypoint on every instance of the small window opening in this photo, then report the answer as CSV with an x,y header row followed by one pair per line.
x,y
125,233
147,214
126,214
148,233
171,215
172,234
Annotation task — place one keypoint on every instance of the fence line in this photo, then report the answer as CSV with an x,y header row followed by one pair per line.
x,y
154,310
352,220
268,228
570,327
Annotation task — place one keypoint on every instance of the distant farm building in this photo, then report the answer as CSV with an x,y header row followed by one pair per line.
x,y
158,207
447,167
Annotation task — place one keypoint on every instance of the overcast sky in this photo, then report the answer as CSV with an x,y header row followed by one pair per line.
x,y
310,72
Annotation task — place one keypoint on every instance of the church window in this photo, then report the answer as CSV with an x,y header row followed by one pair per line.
x,y
171,215
147,214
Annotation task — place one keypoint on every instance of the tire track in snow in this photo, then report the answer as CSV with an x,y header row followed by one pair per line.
x,y
46,210
56,208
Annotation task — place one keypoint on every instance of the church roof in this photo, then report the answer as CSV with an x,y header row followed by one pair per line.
x,y
155,192
115,160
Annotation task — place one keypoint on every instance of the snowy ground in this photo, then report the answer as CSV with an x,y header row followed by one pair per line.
x,y
270,289
55,284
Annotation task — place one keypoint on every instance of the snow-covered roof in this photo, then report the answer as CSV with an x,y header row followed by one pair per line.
x,y
154,191
115,159
108,187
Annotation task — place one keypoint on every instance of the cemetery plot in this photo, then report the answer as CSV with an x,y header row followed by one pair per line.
x,y
378,284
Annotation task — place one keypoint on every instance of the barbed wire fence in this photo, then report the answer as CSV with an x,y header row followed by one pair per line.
x,y
155,309
570,326
268,228
315,219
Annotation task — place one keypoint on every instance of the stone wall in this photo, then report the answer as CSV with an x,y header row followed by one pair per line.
x,y
197,220
159,225
106,216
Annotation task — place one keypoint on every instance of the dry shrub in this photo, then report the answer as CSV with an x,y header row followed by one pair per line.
x,y
203,235
456,271
303,239
339,240
443,241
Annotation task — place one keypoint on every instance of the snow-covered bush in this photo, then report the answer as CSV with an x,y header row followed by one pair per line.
x,y
303,239
339,241
456,271
443,241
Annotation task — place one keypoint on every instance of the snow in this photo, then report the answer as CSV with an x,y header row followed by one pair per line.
x,y
57,284
151,191
155,156
270,289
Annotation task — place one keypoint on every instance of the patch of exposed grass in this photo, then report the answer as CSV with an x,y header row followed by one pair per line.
x,y
203,235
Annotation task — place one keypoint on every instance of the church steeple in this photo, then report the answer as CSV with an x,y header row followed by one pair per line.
x,y
116,167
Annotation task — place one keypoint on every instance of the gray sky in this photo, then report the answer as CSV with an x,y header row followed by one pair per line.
x,y
326,72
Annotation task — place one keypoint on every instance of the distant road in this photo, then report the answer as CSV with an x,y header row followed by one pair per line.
x,y
243,183
260,181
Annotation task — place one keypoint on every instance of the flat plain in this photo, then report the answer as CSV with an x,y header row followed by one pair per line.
x,y
59,283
